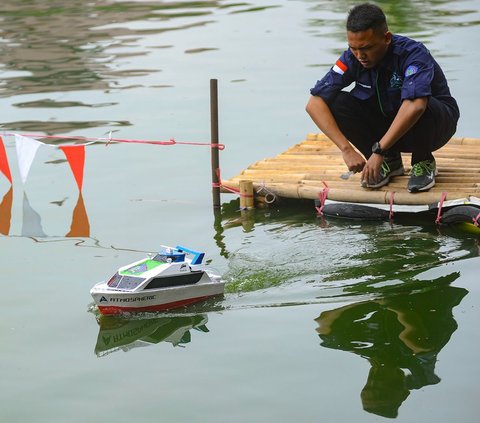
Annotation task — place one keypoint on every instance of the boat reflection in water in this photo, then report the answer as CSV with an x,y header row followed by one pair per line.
x,y
122,333
400,335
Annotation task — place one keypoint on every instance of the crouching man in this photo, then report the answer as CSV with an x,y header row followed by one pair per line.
x,y
400,102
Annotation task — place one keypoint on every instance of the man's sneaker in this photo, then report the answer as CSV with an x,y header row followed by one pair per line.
x,y
422,176
391,166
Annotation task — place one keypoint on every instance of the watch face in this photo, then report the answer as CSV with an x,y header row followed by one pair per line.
x,y
377,149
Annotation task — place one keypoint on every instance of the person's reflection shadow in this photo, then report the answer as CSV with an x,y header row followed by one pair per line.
x,y
400,336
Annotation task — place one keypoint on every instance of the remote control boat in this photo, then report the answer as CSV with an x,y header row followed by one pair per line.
x,y
168,280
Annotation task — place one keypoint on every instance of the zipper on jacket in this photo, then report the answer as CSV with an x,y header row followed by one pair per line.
x,y
378,95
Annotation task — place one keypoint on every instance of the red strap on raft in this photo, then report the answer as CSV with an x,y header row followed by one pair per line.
x,y
322,195
440,205
219,184
392,197
476,220
219,178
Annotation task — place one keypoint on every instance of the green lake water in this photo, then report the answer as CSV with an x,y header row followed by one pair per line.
x,y
322,319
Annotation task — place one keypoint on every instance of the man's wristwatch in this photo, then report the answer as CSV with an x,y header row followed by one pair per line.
x,y
377,149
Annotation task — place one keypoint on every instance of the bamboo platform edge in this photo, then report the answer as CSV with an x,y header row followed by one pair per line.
x,y
285,175
308,192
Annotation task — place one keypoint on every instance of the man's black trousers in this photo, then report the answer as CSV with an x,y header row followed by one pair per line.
x,y
363,123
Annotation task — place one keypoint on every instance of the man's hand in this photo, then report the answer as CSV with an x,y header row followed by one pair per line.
x,y
321,114
371,171
354,161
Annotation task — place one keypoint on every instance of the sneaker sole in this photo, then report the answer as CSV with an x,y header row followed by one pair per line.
x,y
426,187
396,172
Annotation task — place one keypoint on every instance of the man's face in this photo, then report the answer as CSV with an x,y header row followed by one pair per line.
x,y
369,46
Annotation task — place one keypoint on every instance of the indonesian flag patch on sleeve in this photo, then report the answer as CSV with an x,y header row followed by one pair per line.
x,y
340,67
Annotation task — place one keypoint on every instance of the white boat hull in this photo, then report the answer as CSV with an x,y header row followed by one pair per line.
x,y
114,302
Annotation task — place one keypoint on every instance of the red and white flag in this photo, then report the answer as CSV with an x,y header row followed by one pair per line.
x,y
75,155
4,168
340,67
26,151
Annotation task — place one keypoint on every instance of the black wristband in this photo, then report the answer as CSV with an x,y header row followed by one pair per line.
x,y
377,149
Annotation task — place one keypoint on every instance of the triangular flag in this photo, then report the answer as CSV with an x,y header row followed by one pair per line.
x,y
6,212
26,150
75,155
4,168
32,223
80,226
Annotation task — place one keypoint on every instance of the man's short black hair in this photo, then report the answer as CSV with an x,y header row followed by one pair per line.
x,y
366,16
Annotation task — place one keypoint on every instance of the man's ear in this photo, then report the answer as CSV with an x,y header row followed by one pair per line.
x,y
388,37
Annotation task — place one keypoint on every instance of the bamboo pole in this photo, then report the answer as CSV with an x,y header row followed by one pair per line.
x,y
246,195
310,192
365,196
354,187
336,179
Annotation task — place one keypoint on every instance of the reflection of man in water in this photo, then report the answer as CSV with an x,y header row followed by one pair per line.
x,y
400,337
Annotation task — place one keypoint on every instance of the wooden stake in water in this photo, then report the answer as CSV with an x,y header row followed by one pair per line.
x,y
246,195
214,140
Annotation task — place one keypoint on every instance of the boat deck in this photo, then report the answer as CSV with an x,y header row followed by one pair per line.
x,y
304,170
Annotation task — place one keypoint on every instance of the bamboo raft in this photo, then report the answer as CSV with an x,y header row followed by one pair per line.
x,y
304,170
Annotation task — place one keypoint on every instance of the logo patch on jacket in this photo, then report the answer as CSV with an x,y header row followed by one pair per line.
x,y
411,70
396,81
